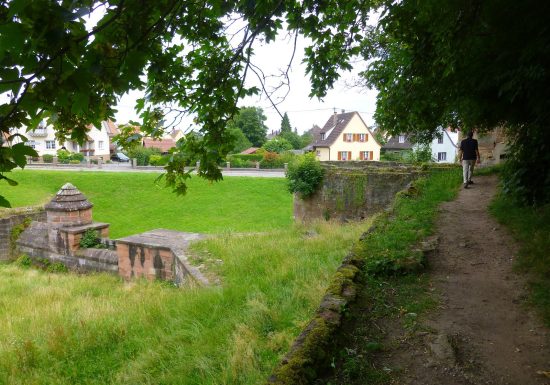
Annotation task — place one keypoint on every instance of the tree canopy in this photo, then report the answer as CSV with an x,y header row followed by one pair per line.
x,y
251,121
462,63
285,124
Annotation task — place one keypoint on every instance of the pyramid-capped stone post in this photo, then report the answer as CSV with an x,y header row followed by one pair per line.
x,y
69,207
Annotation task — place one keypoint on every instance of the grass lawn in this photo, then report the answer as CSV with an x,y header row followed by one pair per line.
x,y
95,329
133,203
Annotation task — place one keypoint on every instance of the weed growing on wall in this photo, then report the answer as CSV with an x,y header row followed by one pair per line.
x,y
305,175
90,239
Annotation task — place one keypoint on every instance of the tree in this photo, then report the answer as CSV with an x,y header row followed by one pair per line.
x,y
463,63
251,121
240,141
472,65
55,65
285,124
277,145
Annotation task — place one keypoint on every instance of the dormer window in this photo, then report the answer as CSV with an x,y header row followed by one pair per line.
x,y
401,138
322,136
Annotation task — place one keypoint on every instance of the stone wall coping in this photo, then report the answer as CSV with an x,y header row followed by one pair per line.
x,y
175,241
82,228
162,238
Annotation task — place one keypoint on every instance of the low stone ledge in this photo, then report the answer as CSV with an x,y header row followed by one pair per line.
x,y
311,352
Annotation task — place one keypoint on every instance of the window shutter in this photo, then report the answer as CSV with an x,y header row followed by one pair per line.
x,y
349,155
370,155
361,156
355,137
340,155
366,137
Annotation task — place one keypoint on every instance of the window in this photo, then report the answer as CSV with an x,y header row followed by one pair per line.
x,y
50,144
365,155
401,138
363,137
32,143
344,155
440,139
322,136
348,137
100,145
441,156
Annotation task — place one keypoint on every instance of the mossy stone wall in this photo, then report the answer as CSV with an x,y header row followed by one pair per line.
x,y
354,190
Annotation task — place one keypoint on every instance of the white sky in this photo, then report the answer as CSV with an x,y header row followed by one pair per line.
x,y
303,112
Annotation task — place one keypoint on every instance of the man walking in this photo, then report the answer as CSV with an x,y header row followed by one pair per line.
x,y
469,153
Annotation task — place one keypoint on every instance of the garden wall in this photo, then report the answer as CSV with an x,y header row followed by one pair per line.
x,y
7,225
355,190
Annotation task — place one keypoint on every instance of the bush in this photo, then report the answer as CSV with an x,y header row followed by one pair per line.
x,y
74,161
240,163
90,239
142,154
77,156
305,175
271,160
63,156
249,157
47,158
158,160
24,261
278,145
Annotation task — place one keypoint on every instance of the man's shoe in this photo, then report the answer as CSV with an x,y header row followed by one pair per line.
x,y
470,182
465,185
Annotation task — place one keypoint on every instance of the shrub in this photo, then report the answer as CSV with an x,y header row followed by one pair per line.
x,y
278,145
271,160
74,161
24,261
249,157
142,154
63,156
47,158
305,175
89,239
158,160
77,156
241,163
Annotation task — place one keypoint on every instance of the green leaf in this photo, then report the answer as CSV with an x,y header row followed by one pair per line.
x,y
19,151
11,182
4,202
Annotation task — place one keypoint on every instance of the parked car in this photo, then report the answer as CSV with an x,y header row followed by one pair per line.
x,y
119,157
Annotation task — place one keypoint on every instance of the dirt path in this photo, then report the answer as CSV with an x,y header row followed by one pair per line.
x,y
482,333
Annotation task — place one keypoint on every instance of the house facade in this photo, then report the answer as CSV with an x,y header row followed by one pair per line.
x,y
445,146
345,137
96,145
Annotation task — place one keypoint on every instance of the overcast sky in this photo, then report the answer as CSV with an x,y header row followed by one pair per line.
x,y
302,111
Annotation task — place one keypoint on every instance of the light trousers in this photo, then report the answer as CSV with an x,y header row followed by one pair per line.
x,y
468,169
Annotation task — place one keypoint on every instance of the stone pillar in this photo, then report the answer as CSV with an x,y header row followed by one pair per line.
x,y
198,165
257,165
286,166
100,163
55,160
134,162
228,165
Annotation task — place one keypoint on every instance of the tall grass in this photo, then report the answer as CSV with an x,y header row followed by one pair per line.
x,y
68,329
531,228
133,203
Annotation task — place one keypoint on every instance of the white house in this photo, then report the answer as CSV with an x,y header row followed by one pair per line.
x,y
445,146
97,143
345,137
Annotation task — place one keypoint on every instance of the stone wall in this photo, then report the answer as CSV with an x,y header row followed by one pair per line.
x,y
158,254
354,190
8,223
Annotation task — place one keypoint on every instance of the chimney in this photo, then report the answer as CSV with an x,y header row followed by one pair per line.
x,y
334,119
343,111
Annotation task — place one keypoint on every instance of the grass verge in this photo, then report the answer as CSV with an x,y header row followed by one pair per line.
x,y
93,329
531,228
133,203
394,287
